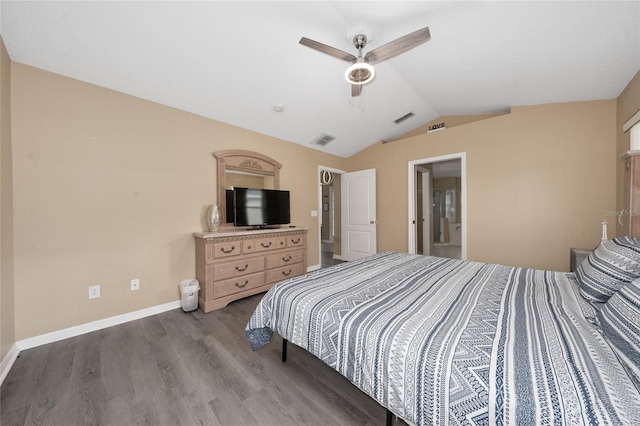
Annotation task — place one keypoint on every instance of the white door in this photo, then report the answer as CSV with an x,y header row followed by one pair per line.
x,y
358,214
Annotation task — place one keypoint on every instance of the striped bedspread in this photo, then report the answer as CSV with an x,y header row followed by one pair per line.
x,y
443,341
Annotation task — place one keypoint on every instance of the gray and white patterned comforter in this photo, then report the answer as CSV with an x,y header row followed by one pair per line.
x,y
443,341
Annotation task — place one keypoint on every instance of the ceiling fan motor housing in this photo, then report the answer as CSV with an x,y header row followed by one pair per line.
x,y
360,41
360,72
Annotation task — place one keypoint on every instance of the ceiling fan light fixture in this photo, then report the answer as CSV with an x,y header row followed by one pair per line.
x,y
359,73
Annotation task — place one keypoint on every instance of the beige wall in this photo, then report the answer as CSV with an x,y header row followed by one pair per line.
x,y
539,181
108,187
7,305
628,103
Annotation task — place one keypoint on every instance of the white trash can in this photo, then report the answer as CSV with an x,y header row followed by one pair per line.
x,y
189,290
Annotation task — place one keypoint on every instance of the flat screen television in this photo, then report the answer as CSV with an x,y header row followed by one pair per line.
x,y
260,207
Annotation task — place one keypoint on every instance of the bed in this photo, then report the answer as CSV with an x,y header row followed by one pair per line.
x,y
445,341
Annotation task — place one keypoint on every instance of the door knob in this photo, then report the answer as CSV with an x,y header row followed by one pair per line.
x,y
373,221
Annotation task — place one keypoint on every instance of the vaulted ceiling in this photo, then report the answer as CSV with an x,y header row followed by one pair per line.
x,y
238,62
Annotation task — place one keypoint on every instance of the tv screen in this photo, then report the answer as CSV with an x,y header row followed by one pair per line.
x,y
260,207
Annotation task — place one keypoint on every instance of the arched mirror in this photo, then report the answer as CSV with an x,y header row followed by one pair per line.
x,y
248,169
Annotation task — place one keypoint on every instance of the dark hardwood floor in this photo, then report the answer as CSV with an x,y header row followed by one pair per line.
x,y
179,368
326,255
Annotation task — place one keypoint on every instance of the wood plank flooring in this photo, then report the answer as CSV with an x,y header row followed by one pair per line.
x,y
179,368
326,255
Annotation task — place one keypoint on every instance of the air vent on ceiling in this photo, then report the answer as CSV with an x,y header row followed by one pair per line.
x,y
322,139
404,117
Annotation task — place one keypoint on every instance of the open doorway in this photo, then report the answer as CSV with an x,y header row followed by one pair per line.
x,y
329,216
437,200
424,228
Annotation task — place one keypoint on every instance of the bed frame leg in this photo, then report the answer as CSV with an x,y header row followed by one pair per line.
x,y
284,359
284,350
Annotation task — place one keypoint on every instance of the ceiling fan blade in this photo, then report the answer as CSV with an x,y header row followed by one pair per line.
x,y
398,45
356,89
327,49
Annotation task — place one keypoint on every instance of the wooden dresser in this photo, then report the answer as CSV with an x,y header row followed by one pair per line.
x,y
238,263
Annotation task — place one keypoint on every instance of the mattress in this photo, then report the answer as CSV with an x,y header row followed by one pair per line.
x,y
446,341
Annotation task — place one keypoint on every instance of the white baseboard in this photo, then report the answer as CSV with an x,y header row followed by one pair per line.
x,y
55,336
7,362
66,333
337,256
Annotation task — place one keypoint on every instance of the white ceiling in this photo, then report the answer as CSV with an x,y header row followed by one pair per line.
x,y
445,169
233,61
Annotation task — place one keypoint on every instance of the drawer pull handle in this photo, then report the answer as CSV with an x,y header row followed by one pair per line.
x,y
243,285
227,252
295,241
287,259
248,247
286,274
266,246
243,269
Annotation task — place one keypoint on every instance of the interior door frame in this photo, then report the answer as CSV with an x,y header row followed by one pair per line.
x,y
319,211
426,211
412,168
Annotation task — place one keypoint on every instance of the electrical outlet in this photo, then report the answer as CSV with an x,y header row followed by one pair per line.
x,y
94,291
135,284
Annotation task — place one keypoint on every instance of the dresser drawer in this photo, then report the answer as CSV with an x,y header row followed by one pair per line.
x,y
238,268
295,241
283,273
248,246
226,249
277,260
271,243
238,284
232,265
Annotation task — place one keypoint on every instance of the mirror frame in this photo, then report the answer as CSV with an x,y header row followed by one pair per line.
x,y
242,161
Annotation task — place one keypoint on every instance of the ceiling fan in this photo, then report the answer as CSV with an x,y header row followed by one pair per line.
x,y
361,72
